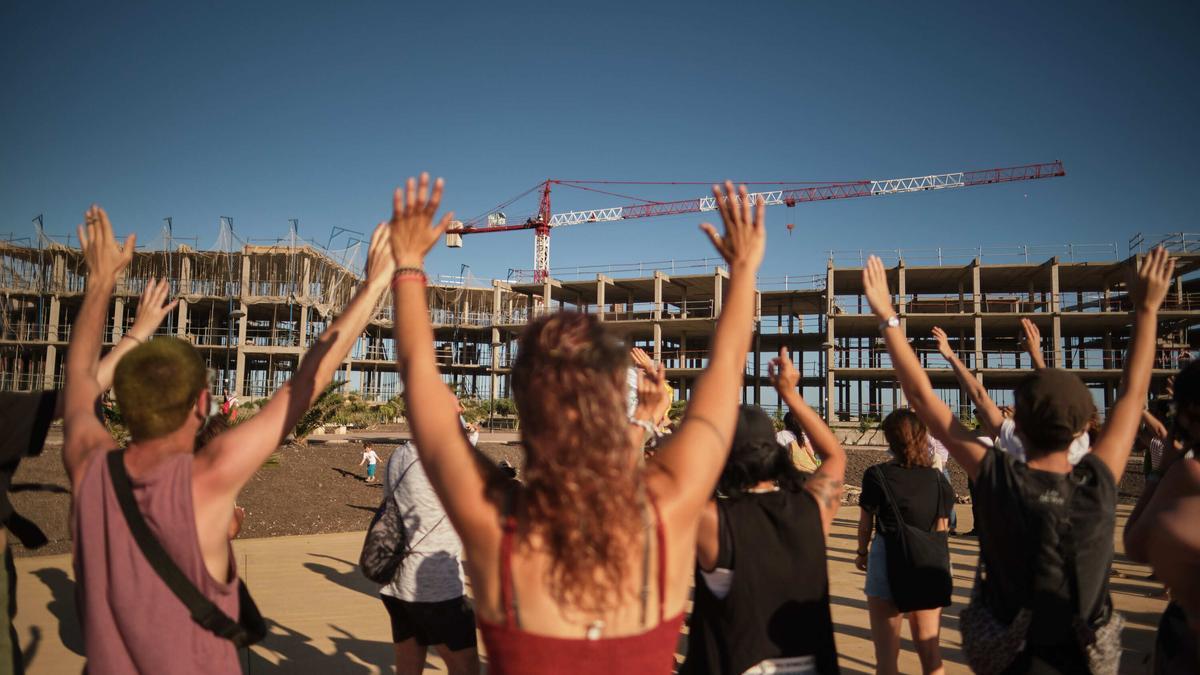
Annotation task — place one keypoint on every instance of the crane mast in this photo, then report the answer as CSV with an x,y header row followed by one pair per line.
x,y
545,220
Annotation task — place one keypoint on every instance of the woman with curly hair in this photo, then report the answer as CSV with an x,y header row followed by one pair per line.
x,y
762,586
906,491
586,567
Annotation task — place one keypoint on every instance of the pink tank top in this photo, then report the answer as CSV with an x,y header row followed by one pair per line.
x,y
133,623
512,651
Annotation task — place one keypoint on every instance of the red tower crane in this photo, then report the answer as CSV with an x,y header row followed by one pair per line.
x,y
788,193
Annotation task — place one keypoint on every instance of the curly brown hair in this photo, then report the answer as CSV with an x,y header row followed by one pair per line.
x,y
583,487
907,438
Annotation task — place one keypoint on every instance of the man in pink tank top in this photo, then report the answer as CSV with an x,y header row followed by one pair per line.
x,y
132,622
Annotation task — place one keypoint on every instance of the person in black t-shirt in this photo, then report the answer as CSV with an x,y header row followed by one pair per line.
x,y
762,589
1045,529
924,499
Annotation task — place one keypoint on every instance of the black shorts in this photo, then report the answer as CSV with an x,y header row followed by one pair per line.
x,y
449,622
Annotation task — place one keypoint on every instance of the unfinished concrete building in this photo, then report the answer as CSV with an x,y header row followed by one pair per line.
x,y
253,310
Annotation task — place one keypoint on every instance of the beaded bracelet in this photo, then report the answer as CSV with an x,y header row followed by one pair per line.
x,y
410,274
134,338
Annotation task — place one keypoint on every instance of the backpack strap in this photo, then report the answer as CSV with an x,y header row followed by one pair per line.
x,y
203,611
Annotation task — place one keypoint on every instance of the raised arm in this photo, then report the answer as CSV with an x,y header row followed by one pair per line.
x,y
1033,343
229,460
825,485
83,433
1150,288
990,417
934,412
454,468
686,468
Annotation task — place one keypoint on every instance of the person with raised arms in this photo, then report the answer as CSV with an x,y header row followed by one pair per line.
x,y
162,506
1164,530
762,584
1041,600
585,568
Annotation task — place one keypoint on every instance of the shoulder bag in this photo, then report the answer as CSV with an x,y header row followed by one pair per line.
x,y
918,560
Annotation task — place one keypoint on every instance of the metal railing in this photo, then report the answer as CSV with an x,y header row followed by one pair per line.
x,y
1017,253
1174,242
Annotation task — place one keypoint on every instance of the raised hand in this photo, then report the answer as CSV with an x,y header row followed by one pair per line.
x,y
875,287
100,250
745,237
380,262
782,372
411,229
152,309
642,360
1153,281
943,343
1033,336
650,393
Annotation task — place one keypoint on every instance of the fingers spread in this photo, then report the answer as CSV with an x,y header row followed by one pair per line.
x,y
436,199
715,238
423,190
410,195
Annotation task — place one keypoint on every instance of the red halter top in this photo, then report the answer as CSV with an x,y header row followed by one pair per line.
x,y
512,651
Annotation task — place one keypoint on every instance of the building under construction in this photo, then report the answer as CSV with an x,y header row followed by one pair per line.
x,y
252,310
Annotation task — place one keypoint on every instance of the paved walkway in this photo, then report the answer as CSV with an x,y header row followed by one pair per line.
x,y
325,617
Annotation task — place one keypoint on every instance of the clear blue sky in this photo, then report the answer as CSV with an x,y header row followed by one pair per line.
x,y
268,111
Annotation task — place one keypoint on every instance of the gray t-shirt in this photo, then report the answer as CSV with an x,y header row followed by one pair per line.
x,y
432,571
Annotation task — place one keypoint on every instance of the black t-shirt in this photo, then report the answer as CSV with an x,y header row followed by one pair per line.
x,y
917,493
24,418
778,602
1029,523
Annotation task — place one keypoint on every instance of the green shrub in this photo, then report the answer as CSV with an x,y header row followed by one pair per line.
x,y
321,412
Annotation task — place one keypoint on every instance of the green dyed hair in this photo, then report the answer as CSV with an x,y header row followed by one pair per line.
x,y
156,385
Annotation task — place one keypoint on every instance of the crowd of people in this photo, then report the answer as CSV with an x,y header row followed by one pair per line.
x,y
621,516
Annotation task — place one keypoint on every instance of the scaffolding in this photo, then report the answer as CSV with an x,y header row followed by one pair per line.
x,y
253,309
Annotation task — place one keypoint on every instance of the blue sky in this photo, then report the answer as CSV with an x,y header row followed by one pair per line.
x,y
267,111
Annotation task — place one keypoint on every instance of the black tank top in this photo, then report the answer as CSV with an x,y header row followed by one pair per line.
x,y
778,604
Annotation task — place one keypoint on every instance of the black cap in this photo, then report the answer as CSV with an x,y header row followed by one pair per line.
x,y
1052,407
754,426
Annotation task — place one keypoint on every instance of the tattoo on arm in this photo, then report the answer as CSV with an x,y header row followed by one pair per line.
x,y
827,491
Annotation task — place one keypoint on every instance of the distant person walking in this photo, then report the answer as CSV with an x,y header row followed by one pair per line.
x,y
371,460
902,499
426,600
229,406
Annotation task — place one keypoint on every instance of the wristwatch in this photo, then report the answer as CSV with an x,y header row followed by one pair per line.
x,y
892,322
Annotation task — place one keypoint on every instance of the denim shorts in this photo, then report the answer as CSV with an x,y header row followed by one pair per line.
x,y
877,577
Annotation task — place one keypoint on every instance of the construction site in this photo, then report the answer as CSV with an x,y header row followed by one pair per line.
x,y
253,310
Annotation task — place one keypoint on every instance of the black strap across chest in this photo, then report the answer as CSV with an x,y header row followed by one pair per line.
x,y
247,632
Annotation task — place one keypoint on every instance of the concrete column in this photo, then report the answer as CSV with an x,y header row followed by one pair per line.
x,y
185,275
239,372
50,366
181,320
657,341
718,291
658,295
547,296
118,319
305,276
977,311
302,338
245,290
830,351
1056,309
601,284
683,351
